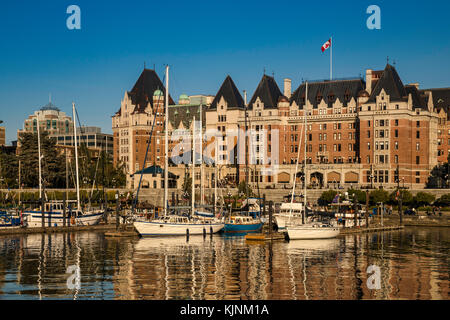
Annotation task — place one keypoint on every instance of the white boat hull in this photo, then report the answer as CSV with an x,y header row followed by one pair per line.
x,y
283,220
303,232
34,219
149,228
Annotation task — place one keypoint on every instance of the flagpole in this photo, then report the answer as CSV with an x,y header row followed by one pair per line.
x,y
331,59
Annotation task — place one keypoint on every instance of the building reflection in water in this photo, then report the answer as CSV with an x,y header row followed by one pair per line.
x,y
413,264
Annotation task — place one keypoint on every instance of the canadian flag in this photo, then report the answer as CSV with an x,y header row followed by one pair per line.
x,y
326,45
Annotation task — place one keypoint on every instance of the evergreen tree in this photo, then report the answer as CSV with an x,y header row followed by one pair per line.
x,y
439,176
53,163
9,170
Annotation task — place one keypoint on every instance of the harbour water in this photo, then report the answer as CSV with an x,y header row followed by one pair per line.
x,y
413,264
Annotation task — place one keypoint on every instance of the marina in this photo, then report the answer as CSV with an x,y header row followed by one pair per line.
x,y
413,263
182,156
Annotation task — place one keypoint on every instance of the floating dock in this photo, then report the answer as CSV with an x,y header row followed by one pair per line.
x,y
121,234
25,230
275,236
345,231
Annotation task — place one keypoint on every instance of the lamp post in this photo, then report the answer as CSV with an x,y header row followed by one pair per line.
x,y
400,196
355,210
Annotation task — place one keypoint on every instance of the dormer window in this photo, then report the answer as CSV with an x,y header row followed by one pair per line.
x,y
318,97
331,97
347,95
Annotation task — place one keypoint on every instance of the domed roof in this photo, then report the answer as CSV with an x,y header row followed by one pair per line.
x,y
157,93
49,106
363,93
184,97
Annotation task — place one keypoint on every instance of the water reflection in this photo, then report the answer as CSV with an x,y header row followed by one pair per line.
x,y
413,264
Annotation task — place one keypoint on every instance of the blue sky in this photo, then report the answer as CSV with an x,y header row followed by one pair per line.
x,y
203,41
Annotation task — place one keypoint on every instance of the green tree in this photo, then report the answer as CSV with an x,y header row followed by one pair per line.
x,y
439,176
187,186
243,188
444,200
327,197
359,194
378,195
423,199
53,163
407,197
9,170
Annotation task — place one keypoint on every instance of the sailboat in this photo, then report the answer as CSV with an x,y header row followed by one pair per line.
x,y
312,230
172,224
54,211
249,220
291,212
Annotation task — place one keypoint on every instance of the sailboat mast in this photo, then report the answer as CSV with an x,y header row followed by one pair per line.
x,y
39,155
246,151
201,157
166,160
296,169
193,169
304,171
76,154
215,176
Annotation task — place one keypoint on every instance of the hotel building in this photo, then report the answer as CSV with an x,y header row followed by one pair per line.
x,y
374,132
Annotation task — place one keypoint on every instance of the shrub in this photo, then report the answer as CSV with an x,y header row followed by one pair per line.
x,y
378,195
326,197
423,199
443,201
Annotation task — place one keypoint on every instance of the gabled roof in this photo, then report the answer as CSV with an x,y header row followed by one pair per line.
x,y
267,91
230,94
391,83
419,99
185,114
339,89
441,99
142,92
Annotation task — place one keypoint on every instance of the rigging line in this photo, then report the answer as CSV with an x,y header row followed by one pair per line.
x,y
254,172
146,154
83,131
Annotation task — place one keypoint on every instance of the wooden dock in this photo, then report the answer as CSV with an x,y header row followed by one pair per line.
x,y
121,234
24,230
275,236
345,231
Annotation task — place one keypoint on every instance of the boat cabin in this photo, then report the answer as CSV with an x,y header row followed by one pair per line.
x,y
240,220
175,219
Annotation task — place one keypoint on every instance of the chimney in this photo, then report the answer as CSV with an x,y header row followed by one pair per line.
x,y
369,81
414,85
287,88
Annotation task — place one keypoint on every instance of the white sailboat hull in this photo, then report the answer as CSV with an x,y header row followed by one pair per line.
x,y
175,229
303,232
33,219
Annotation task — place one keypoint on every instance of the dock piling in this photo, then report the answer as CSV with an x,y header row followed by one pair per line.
x,y
117,211
270,216
42,212
64,210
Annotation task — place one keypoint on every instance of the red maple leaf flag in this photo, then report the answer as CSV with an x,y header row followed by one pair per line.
x,y
326,45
